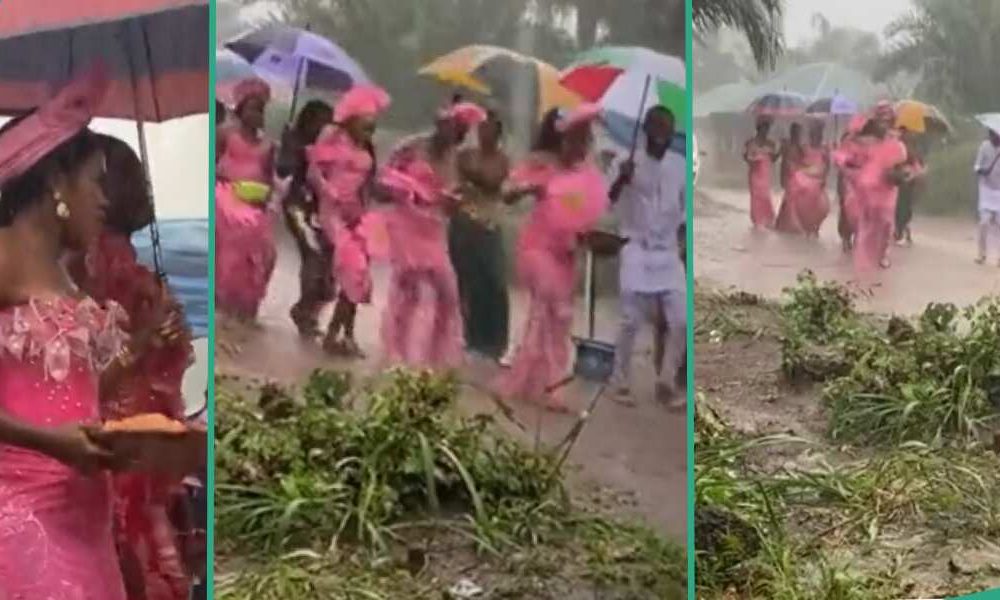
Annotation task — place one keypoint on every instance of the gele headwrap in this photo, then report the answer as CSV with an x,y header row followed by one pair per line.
x,y
55,122
585,113
361,101
249,88
468,114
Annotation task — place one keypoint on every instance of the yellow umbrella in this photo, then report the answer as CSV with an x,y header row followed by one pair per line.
x,y
918,117
490,70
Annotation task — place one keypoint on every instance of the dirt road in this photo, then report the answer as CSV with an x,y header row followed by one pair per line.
x,y
638,452
939,266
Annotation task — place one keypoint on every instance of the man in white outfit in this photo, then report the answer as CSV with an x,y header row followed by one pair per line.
x,y
988,172
650,196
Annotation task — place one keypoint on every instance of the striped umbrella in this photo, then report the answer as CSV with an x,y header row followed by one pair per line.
x,y
156,50
504,74
778,104
299,59
625,81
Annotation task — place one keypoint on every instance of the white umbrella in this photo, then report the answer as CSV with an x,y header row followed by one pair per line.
x,y
990,121
194,387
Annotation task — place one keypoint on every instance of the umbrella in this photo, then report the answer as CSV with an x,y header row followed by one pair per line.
x,y
494,71
156,52
298,58
43,45
625,81
835,106
990,121
919,117
778,104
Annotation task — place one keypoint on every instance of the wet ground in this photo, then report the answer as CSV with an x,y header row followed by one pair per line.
x,y
639,452
938,267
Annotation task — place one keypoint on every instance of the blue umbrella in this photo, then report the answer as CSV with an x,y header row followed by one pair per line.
x,y
298,58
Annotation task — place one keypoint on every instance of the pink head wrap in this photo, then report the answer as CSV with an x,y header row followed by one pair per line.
x,y
885,110
857,123
249,88
361,101
585,113
54,123
468,114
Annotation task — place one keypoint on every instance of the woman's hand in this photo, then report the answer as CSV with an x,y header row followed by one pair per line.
x,y
79,447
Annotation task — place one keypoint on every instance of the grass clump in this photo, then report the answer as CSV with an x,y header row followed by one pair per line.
x,y
376,490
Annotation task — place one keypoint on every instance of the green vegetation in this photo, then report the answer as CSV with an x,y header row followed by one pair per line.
x,y
894,495
386,492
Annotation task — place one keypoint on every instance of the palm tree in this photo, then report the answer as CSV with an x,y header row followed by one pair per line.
x,y
952,45
759,20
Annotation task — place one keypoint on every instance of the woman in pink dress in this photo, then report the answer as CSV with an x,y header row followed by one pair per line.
x,y
760,153
62,357
342,170
111,272
875,163
546,249
421,177
806,199
245,253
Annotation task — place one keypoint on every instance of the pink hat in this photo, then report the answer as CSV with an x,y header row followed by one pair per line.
x,y
468,114
55,122
585,113
361,101
249,88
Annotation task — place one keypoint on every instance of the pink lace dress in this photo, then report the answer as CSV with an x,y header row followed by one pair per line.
x,y
56,540
806,204
761,200
142,501
423,288
546,267
245,253
339,170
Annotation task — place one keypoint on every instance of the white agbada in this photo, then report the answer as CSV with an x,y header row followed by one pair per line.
x,y
650,211
989,186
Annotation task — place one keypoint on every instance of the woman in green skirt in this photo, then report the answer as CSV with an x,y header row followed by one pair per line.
x,y
475,240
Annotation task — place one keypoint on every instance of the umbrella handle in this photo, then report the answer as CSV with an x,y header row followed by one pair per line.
x,y
638,121
295,90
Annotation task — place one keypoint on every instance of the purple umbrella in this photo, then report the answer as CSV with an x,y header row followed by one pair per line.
x,y
837,106
299,58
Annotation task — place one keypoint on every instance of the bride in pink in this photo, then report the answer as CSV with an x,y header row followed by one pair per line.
x,y
806,203
341,169
760,153
245,253
62,357
421,177
570,198
875,165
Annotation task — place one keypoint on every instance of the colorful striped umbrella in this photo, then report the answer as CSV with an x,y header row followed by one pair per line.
x,y
299,59
778,104
157,52
626,81
504,74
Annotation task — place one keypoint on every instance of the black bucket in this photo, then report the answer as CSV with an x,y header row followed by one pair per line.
x,y
595,360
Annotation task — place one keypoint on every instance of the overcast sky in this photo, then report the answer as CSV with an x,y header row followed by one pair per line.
x,y
868,15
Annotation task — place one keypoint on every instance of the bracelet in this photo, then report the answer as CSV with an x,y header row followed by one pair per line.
x,y
125,358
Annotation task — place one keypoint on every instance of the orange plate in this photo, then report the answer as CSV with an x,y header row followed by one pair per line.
x,y
158,444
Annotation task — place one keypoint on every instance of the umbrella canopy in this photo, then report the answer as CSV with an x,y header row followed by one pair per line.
x,y
778,104
156,50
990,121
503,73
615,77
726,98
919,117
298,58
825,80
836,106
230,69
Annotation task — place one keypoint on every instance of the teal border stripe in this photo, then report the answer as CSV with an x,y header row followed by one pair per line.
x,y
210,470
689,242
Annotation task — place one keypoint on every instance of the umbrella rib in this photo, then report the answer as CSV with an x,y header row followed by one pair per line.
x,y
149,66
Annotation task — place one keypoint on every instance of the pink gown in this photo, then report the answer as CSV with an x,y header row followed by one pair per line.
x,y
546,267
142,500
418,252
761,202
876,199
806,203
245,252
56,533
340,170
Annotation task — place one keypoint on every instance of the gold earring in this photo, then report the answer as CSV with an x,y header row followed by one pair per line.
x,y
62,211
